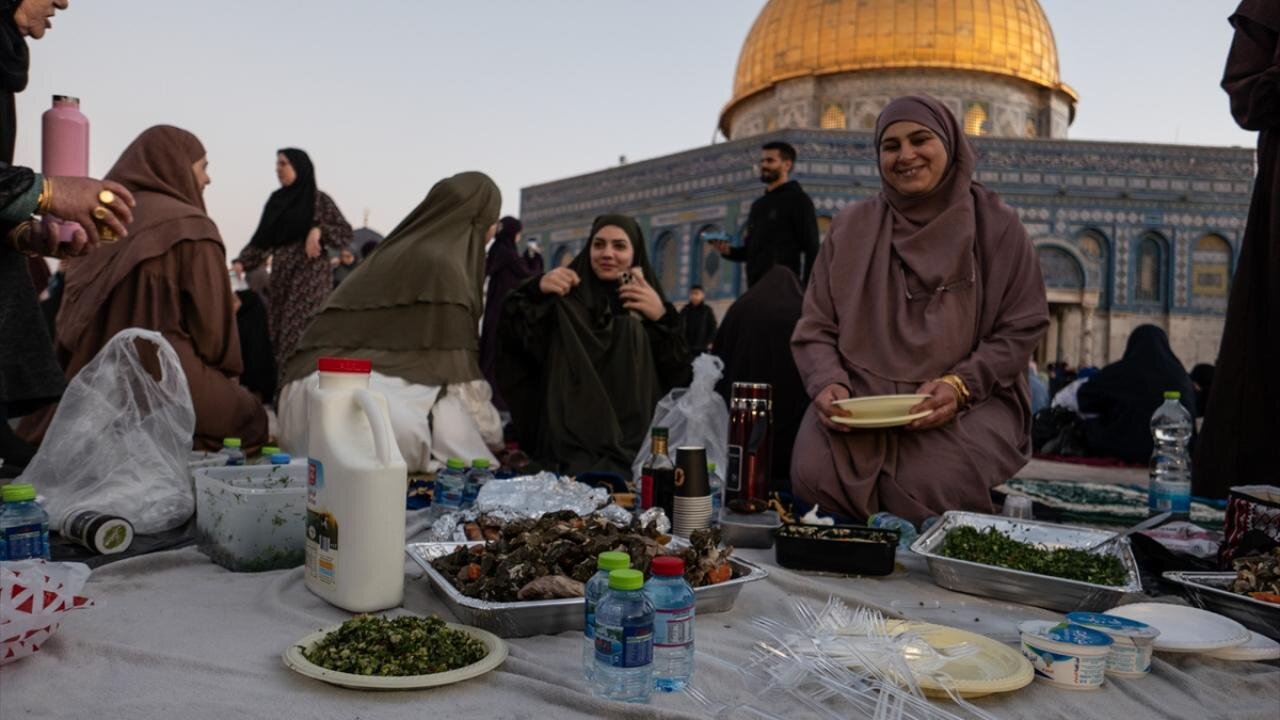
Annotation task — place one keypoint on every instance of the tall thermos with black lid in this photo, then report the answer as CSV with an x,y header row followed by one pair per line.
x,y
750,447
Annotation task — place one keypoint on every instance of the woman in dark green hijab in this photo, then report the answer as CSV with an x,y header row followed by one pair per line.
x,y
586,352
413,308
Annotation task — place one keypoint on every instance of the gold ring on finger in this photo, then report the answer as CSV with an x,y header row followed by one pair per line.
x,y
101,213
106,197
106,234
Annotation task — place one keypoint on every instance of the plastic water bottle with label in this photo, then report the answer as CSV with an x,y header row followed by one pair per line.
x,y
231,448
476,479
451,488
24,525
593,593
624,640
673,608
1170,467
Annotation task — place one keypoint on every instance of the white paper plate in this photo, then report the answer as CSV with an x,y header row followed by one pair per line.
x,y
1257,648
294,660
873,423
1185,629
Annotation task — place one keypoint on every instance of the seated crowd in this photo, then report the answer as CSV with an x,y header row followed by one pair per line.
x,y
930,287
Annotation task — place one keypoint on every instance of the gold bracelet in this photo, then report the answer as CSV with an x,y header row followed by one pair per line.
x,y
19,236
46,197
957,384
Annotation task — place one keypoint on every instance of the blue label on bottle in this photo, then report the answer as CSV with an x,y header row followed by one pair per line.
x,y
627,646
26,541
589,626
673,627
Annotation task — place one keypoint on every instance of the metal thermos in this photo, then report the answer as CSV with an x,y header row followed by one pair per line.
x,y
750,447
64,149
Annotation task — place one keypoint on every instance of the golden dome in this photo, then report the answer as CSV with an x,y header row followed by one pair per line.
x,y
795,38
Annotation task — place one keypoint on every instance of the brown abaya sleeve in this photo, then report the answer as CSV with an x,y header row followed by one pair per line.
x,y
815,340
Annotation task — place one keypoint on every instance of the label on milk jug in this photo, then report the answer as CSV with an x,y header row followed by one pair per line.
x,y
322,531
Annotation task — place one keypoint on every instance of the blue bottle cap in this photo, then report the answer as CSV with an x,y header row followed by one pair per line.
x,y
281,459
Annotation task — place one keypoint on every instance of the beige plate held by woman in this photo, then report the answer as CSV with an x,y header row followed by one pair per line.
x,y
296,661
880,411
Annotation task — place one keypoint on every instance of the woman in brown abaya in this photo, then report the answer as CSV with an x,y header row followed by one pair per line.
x,y
932,287
169,276
1235,445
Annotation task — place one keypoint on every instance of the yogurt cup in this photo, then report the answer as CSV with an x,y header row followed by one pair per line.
x,y
1066,655
1132,643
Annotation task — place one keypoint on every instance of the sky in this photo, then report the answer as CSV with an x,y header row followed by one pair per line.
x,y
389,96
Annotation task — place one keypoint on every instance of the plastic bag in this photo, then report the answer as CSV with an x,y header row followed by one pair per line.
x,y
34,595
121,440
695,415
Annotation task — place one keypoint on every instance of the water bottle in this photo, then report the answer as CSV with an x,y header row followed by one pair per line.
x,y
673,612
231,448
717,492
4,546
624,640
476,478
280,458
1170,467
888,521
451,486
594,591
264,457
64,150
24,524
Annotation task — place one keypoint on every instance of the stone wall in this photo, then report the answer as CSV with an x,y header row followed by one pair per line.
x,y
1015,108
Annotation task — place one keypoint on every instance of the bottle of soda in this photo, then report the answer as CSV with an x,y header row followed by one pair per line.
x,y
1170,468
624,640
595,590
658,476
673,607
24,524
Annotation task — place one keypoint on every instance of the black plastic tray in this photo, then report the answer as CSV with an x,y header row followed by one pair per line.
x,y
845,549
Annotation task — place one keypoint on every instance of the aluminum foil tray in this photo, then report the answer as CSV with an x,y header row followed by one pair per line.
x,y
1024,587
1207,590
549,617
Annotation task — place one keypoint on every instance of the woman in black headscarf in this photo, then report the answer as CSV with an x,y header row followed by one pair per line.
x,y
299,225
586,352
504,269
1125,394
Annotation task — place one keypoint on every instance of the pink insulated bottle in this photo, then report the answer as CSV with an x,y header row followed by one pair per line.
x,y
65,147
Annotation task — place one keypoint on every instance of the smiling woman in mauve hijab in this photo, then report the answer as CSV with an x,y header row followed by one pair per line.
x,y
930,287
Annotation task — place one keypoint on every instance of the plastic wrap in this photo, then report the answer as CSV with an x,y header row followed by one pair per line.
x,y
34,597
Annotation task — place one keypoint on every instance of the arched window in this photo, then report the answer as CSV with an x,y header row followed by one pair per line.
x,y
562,257
824,227
833,118
666,257
1060,269
1211,267
1149,280
977,119
707,258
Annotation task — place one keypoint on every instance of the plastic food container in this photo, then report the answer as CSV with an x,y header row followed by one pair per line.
x,y
1132,642
845,549
748,531
251,518
1069,656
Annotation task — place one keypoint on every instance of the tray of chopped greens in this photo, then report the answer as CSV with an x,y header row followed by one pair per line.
x,y
1035,563
370,652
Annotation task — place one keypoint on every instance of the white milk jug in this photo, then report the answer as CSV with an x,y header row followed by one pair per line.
x,y
355,492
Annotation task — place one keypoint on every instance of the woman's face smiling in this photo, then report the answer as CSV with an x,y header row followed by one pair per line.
x,y
611,253
912,158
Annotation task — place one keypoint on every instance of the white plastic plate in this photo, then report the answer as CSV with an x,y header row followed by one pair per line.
x,y
1185,629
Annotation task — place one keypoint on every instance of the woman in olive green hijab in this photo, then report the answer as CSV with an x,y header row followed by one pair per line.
x,y
413,308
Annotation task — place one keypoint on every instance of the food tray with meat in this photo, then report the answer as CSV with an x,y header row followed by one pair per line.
x,y
1250,595
542,561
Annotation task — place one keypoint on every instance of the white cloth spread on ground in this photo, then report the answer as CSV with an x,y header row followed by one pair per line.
x,y
174,636
431,423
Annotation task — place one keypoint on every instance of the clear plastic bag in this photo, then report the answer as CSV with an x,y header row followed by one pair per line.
x,y
121,439
695,415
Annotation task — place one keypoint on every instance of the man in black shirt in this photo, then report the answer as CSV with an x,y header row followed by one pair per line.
x,y
699,321
782,225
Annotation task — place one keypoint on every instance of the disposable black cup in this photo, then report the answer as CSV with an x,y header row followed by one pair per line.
x,y
691,472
